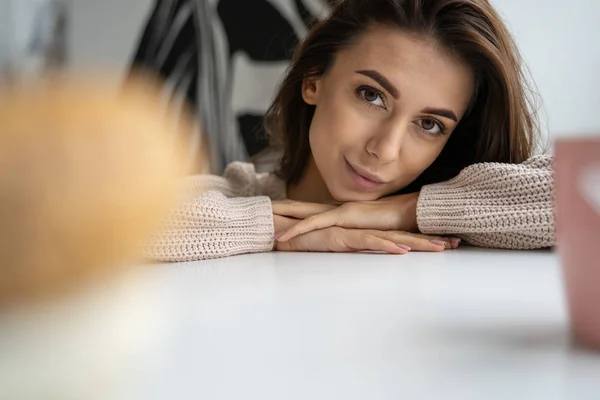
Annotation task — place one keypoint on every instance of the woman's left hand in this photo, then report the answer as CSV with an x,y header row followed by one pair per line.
x,y
398,213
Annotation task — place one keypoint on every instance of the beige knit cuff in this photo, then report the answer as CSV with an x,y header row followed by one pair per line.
x,y
441,209
249,228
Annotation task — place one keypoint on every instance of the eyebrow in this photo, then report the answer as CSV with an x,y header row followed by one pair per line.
x,y
387,85
382,80
442,112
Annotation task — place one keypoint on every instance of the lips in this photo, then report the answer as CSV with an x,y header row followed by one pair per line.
x,y
366,175
363,179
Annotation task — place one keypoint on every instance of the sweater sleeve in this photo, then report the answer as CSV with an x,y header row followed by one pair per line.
x,y
507,206
216,217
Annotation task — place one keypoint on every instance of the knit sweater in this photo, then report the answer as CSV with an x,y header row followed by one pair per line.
x,y
507,206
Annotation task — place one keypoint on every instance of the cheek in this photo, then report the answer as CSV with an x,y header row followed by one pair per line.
x,y
322,143
338,125
420,156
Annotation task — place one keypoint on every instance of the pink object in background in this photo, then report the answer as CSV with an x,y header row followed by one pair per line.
x,y
578,232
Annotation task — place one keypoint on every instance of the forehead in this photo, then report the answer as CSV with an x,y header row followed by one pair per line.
x,y
415,65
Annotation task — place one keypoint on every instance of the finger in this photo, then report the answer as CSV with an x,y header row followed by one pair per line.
x,y
454,242
417,242
450,242
357,241
319,221
299,209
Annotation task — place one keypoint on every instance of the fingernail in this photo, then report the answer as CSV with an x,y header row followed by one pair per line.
x,y
455,242
439,243
403,246
278,235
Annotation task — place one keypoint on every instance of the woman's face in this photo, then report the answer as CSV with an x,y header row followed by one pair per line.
x,y
384,111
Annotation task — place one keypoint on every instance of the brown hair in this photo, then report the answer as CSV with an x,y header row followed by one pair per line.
x,y
499,126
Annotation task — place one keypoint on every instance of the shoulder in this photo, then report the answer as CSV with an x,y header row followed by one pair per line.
x,y
244,175
240,172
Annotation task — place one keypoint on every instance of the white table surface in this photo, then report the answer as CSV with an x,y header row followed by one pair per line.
x,y
464,324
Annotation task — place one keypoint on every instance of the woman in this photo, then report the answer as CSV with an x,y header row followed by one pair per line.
x,y
395,116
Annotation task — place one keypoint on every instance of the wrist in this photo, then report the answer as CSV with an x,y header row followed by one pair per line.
x,y
409,211
281,224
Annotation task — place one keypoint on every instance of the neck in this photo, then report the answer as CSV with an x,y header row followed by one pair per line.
x,y
311,187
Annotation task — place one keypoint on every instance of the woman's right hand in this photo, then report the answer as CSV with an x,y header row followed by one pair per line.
x,y
342,240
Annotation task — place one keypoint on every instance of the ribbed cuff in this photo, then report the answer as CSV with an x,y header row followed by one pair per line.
x,y
441,209
249,227
214,226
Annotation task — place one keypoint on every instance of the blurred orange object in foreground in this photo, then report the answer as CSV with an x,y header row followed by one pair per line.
x,y
86,174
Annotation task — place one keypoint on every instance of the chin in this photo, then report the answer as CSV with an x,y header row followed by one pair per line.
x,y
345,195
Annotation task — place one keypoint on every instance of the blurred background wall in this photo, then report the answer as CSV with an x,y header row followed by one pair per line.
x,y
559,41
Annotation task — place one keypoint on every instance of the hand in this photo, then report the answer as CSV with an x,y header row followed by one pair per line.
x,y
389,213
281,224
336,239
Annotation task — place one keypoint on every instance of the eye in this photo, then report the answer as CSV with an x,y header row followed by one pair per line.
x,y
371,95
432,127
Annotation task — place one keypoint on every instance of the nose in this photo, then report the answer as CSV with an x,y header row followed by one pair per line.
x,y
387,142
